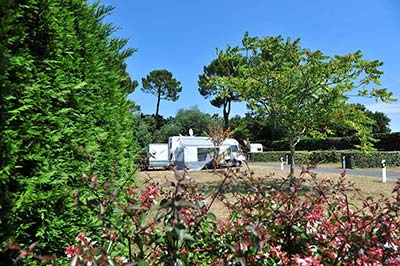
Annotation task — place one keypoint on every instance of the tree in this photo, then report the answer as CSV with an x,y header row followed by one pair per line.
x,y
303,90
380,122
221,96
64,112
255,127
163,85
184,120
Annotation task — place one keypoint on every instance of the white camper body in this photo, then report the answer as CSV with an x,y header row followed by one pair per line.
x,y
195,153
157,156
256,147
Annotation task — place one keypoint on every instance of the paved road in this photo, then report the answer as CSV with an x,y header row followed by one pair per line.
x,y
364,172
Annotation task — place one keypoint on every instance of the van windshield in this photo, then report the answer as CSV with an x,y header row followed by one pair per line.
x,y
234,148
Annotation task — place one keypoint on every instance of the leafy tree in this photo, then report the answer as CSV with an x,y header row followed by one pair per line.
x,y
142,133
302,91
163,85
255,127
184,120
221,96
240,128
380,123
64,112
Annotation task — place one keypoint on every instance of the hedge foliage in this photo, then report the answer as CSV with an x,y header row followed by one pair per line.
x,y
354,158
384,142
308,144
63,111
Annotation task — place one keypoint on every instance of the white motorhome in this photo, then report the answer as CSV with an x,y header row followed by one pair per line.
x,y
195,153
157,156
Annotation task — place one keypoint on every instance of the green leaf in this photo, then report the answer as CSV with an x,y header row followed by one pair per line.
x,y
211,216
143,220
143,263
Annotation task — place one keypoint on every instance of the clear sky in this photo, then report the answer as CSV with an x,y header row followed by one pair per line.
x,y
182,36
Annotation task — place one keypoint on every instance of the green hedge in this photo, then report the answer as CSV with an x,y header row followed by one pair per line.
x,y
354,158
275,156
311,144
385,142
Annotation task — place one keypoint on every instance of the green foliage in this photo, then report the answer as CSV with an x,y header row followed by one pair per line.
x,y
354,158
163,85
313,223
379,122
255,127
303,91
220,96
357,159
388,142
184,120
64,110
267,224
384,142
142,132
311,144
275,156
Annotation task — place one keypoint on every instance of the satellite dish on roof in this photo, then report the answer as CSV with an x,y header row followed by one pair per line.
x,y
191,132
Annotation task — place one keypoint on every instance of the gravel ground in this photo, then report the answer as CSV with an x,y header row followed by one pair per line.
x,y
369,182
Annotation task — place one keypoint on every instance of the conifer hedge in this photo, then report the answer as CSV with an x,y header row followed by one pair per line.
x,y
63,112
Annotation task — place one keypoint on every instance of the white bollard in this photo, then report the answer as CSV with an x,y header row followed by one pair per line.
x,y
383,164
281,163
344,162
287,159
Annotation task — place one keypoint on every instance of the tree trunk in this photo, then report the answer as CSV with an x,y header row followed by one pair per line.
x,y
158,103
157,110
227,110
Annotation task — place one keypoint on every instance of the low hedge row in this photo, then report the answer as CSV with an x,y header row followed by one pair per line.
x,y
353,158
385,142
313,144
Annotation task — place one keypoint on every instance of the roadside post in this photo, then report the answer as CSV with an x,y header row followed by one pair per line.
x,y
383,164
281,163
344,162
287,159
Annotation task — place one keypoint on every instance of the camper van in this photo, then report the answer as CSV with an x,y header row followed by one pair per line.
x,y
256,147
157,156
196,153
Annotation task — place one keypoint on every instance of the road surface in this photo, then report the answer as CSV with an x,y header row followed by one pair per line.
x,y
390,173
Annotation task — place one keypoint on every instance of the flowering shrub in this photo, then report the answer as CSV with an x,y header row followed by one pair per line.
x,y
270,222
148,197
320,227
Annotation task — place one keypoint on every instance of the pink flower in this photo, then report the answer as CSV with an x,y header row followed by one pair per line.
x,y
120,260
81,237
376,253
307,261
148,197
343,173
72,251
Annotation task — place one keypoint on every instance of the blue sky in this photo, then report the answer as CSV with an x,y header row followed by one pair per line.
x,y
182,37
